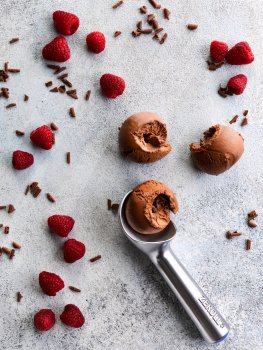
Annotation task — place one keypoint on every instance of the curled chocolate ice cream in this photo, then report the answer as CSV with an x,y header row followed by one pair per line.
x,y
148,207
142,138
218,151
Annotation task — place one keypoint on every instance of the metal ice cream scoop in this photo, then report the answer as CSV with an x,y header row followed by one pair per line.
x,y
207,319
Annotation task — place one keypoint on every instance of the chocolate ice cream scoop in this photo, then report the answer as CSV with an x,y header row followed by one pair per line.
x,y
142,138
148,207
218,151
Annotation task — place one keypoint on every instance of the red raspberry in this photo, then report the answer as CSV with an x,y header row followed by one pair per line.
x,y
73,250
65,22
22,160
218,51
236,85
112,85
42,137
44,320
96,42
241,53
57,50
61,224
50,283
72,316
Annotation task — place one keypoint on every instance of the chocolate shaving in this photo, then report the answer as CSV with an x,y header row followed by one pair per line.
x,y
244,122
143,9
119,3
19,297
245,112
51,198
166,13
248,244
155,4
95,258
12,254
59,70
192,26
26,98
68,157
11,209
6,230
117,33
72,112
230,235
87,96
13,40
55,89
163,38
53,126
11,105
16,245
48,84
75,289
234,119
214,66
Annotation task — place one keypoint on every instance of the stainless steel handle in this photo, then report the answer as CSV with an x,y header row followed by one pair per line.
x,y
207,319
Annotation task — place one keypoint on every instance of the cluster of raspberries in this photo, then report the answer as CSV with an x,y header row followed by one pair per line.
x,y
58,50
239,54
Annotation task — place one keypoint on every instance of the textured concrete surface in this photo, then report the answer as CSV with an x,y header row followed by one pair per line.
x,y
125,301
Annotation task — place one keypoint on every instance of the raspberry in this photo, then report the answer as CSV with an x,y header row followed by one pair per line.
x,y
218,51
72,316
61,224
65,22
42,137
241,53
22,160
73,250
44,320
57,50
50,283
236,85
112,85
96,42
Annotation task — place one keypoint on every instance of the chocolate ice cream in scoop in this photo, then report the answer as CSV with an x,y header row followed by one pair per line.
x,y
148,207
142,138
218,151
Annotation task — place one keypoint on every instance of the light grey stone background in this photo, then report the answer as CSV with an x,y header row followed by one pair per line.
x,y
125,301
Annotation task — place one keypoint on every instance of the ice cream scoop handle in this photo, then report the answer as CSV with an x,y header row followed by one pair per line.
x,y
207,319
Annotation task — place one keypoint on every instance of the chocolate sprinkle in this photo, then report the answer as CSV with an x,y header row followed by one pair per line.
x,y
248,244
6,230
75,289
252,215
119,3
48,84
55,89
244,122
109,204
6,250
72,112
11,105
95,258
59,70
155,4
251,224
51,198
115,206
13,40
68,157
12,254
53,66
192,26
2,207
11,209
143,9
214,66
166,13
27,189
26,98
16,245
87,96
53,126
230,235
163,38
117,33
19,297
245,112
234,119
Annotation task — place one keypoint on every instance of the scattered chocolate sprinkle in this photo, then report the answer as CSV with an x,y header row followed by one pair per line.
x,y
150,18
53,138
48,84
155,24
6,230
13,70
59,70
117,33
12,254
154,4
109,204
158,30
166,13
3,76
143,9
68,157
192,26
244,122
135,33
0,251
245,112
87,96
51,198
163,38
119,3
35,189
62,76
6,66
26,98
6,250
234,119
75,289
248,244
62,89
33,186
55,89
11,105
115,206
13,40
53,66
222,92
251,224
2,207
252,215
72,93
16,245
11,209
230,235
27,189
145,31
214,66
53,126
72,112
139,25
5,92
36,192
19,297
66,82
95,258
155,37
